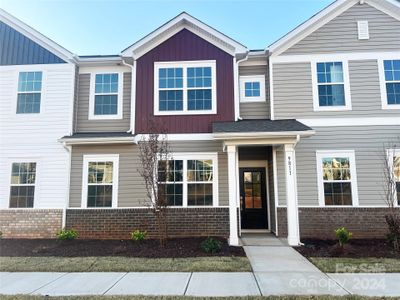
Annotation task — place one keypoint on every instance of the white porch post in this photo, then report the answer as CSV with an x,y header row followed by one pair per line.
x,y
232,183
291,196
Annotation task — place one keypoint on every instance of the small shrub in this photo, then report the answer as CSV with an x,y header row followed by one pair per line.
x,y
138,235
343,236
210,245
67,234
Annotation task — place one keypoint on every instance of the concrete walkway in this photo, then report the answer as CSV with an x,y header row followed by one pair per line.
x,y
277,270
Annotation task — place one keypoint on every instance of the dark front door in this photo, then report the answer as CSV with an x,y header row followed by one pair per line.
x,y
253,202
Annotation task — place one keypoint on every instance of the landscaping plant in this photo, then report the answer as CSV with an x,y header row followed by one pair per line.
x,y
211,245
343,236
67,234
138,235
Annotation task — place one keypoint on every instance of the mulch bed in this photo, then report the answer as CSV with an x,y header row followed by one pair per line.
x,y
359,248
180,247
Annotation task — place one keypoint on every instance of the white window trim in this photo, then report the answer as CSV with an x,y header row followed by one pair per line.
x,y
119,114
198,156
346,82
42,92
252,78
382,82
37,181
391,153
100,158
320,154
185,65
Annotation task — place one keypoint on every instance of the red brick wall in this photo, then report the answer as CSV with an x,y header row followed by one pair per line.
x,y
320,222
119,223
30,223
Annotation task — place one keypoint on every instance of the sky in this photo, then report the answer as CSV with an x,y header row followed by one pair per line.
x,y
89,27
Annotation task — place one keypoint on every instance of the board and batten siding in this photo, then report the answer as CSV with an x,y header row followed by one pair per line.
x,y
34,137
82,122
131,190
341,35
255,110
368,143
293,95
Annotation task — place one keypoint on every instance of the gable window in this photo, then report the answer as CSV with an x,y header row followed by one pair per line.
x,y
106,96
337,178
330,87
252,88
100,181
390,83
23,179
29,92
185,88
189,180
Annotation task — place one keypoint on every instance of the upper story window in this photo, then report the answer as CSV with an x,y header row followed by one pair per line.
x,y
252,88
390,84
106,96
331,91
23,179
337,178
29,92
185,88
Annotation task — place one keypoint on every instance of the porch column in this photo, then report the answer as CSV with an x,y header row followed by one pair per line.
x,y
291,196
232,183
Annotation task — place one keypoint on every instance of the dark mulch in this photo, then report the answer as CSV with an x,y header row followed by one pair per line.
x,y
355,248
182,247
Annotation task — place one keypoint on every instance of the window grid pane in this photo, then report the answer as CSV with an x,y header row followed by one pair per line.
x,y
29,88
22,191
337,180
100,195
330,84
100,172
30,82
170,78
199,99
105,104
252,89
106,94
392,78
170,100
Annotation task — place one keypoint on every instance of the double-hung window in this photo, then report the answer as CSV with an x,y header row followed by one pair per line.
x,y
189,180
23,179
185,88
337,178
106,96
390,83
252,88
100,181
330,87
29,92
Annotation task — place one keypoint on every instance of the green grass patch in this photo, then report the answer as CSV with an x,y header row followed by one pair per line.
x,y
124,264
356,265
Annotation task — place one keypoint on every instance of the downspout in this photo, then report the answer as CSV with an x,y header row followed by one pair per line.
x,y
133,94
64,212
237,83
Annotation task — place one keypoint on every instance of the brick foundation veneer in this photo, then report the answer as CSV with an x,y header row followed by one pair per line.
x,y
320,222
30,223
119,223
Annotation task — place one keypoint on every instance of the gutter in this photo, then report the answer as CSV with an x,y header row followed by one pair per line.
x,y
99,140
133,94
248,135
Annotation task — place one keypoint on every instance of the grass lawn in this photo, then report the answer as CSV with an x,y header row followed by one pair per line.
x,y
356,265
124,264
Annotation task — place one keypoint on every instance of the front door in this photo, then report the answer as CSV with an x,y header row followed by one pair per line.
x,y
253,202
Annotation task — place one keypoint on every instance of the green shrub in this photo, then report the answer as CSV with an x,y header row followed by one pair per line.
x,y
138,235
67,234
343,236
210,245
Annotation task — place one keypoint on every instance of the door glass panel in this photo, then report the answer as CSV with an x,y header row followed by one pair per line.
x,y
247,176
256,177
248,192
257,201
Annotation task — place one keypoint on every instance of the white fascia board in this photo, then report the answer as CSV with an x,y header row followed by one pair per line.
x,y
37,37
98,61
337,122
173,26
105,140
261,135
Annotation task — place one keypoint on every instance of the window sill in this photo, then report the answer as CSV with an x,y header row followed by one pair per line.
x,y
184,113
106,117
333,108
249,100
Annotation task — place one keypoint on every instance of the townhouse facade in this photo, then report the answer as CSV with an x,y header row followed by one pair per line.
x,y
290,139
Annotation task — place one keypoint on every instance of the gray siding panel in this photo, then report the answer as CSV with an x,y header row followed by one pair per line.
x,y
256,110
83,124
368,144
17,49
341,35
293,96
132,192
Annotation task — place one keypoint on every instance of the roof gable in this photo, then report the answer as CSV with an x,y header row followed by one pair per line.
x,y
180,22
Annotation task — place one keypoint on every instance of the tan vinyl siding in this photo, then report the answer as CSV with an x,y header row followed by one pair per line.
x,y
293,97
83,124
368,144
341,35
131,191
255,110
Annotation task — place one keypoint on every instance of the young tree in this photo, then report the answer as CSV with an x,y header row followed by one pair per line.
x,y
154,149
390,191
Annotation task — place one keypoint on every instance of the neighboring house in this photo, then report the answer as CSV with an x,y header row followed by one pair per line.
x,y
288,140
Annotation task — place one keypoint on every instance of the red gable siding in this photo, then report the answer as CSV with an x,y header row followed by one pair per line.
x,y
184,46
